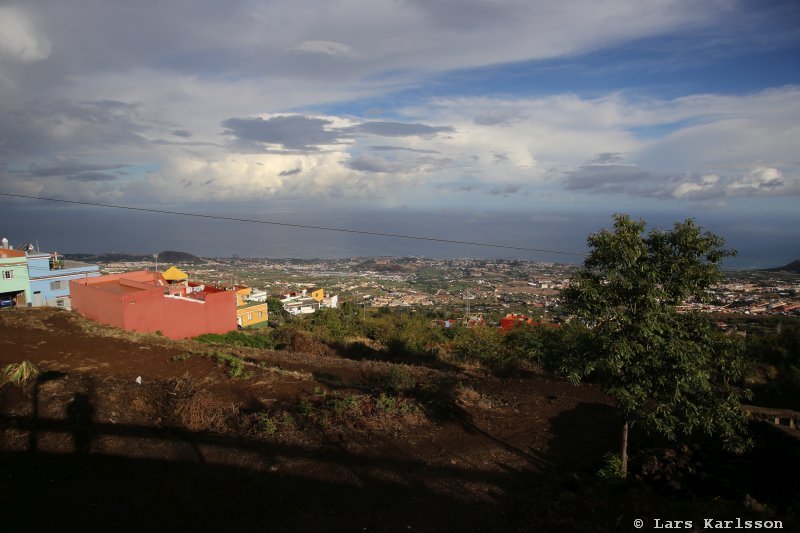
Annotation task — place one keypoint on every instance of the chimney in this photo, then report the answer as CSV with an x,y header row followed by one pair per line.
x,y
4,243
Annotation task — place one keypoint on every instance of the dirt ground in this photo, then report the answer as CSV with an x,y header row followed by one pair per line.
x,y
130,432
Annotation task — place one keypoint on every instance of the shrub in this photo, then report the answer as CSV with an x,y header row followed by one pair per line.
x,y
19,373
399,379
204,412
612,467
390,405
235,365
265,424
483,345
387,404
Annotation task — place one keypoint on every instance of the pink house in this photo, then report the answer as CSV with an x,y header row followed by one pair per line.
x,y
141,301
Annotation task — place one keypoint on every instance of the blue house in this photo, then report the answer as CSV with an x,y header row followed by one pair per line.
x,y
50,277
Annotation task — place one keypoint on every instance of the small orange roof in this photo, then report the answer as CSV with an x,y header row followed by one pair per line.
x,y
175,274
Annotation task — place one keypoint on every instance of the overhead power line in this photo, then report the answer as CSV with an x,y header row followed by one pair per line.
x,y
304,226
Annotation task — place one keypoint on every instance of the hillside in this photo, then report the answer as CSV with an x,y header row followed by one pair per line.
x,y
113,257
793,267
319,440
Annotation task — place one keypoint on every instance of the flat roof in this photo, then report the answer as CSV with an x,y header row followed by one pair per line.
x,y
251,304
67,263
116,287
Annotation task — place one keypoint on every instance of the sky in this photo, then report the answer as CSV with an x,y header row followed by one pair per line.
x,y
518,122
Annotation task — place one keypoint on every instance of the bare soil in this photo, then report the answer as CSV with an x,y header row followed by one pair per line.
x,y
132,432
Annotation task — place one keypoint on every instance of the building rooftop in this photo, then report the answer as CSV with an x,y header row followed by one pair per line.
x,y
116,287
175,274
8,254
68,263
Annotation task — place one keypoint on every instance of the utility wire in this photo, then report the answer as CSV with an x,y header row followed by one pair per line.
x,y
305,226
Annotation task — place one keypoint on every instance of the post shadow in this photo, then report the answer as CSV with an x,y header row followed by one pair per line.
x,y
80,418
43,377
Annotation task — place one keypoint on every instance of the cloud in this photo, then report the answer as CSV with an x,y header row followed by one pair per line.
x,y
500,158
607,157
400,129
292,172
762,181
380,148
20,41
71,169
607,178
506,190
635,181
373,163
92,177
294,132
325,48
61,127
308,133
498,117
182,133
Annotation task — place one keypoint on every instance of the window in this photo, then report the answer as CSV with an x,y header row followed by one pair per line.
x,y
249,316
8,274
60,302
56,285
260,314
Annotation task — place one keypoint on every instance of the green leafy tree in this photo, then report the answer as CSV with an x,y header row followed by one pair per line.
x,y
276,311
670,372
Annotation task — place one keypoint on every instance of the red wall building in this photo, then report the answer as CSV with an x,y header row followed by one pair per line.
x,y
136,301
511,320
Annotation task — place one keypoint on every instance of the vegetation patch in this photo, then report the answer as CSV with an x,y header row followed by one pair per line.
x,y
352,410
236,366
18,373
202,411
261,339
399,379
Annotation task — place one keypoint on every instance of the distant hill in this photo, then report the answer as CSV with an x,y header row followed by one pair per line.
x,y
178,257
168,256
793,267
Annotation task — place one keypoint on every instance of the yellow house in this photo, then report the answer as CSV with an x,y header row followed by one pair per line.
x,y
317,294
175,274
249,313
177,280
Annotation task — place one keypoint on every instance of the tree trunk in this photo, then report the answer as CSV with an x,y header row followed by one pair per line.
x,y
623,450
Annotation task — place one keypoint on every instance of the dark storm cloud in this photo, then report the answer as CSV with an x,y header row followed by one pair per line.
x,y
92,177
300,132
56,127
401,129
294,132
70,169
609,179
